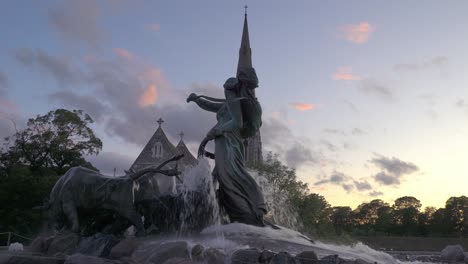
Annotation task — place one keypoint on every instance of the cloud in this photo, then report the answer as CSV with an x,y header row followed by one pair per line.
x,y
335,178
357,33
373,88
394,166
345,74
153,27
149,96
334,131
78,21
295,151
351,106
347,187
461,103
105,162
375,193
387,179
90,104
435,62
362,185
329,145
61,69
123,53
393,169
303,106
357,131
3,83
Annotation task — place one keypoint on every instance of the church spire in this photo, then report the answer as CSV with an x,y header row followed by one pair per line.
x,y
245,54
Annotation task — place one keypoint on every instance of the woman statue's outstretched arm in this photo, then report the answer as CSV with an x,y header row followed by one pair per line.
x,y
205,104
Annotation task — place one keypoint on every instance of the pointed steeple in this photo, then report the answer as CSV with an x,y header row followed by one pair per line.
x,y
245,53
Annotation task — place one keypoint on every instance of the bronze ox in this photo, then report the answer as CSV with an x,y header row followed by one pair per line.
x,y
81,189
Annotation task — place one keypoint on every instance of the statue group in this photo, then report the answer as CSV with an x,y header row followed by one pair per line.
x,y
88,202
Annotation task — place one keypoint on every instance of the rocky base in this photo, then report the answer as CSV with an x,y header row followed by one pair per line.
x,y
69,248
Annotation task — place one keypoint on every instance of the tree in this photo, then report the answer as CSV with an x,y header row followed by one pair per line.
x,y
315,213
33,159
341,219
58,140
456,215
406,212
366,214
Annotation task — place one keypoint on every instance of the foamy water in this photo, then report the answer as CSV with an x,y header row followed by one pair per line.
x,y
231,237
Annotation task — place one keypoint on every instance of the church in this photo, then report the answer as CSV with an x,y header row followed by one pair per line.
x,y
159,148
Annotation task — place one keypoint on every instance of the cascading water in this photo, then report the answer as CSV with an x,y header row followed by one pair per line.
x,y
200,204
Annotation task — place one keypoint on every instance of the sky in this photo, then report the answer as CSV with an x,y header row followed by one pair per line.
x,y
366,99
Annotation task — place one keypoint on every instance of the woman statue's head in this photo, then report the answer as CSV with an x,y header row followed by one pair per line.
x,y
231,83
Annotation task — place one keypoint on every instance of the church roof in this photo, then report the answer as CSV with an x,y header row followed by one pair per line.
x,y
188,158
157,150
245,53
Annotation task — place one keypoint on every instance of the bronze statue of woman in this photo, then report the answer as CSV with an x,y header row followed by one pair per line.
x,y
239,117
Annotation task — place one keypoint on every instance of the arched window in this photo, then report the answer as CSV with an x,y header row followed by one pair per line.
x,y
157,150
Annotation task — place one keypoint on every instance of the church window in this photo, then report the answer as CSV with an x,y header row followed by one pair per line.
x,y
157,150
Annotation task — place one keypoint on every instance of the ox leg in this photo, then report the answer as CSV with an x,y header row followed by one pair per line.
x,y
70,211
135,219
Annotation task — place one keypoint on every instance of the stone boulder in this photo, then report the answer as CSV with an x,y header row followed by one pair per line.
x,y
81,259
63,244
245,256
40,244
98,245
179,261
160,252
124,248
266,256
213,256
197,252
28,259
282,258
452,253
307,257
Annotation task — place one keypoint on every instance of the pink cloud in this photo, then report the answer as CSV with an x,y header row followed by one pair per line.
x,y
123,53
357,33
303,106
149,96
7,105
154,27
345,74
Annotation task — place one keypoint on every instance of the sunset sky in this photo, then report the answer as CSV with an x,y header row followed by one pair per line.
x,y
366,99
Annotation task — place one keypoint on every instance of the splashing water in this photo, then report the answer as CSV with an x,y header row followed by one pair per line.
x,y
231,237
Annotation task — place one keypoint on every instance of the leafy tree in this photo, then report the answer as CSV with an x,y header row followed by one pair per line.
x,y
366,214
33,158
405,215
58,140
341,219
315,213
456,215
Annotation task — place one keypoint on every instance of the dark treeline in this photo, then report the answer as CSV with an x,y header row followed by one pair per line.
x,y
404,217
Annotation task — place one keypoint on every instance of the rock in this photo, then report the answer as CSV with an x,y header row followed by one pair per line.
x,y
26,259
266,256
98,245
282,258
80,259
307,257
452,253
40,244
197,252
160,252
245,256
63,244
360,261
213,256
124,248
178,261
331,259
15,247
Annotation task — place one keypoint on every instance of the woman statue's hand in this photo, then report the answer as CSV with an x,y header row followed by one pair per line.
x,y
192,97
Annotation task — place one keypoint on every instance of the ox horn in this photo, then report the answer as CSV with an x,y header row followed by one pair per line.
x,y
157,169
